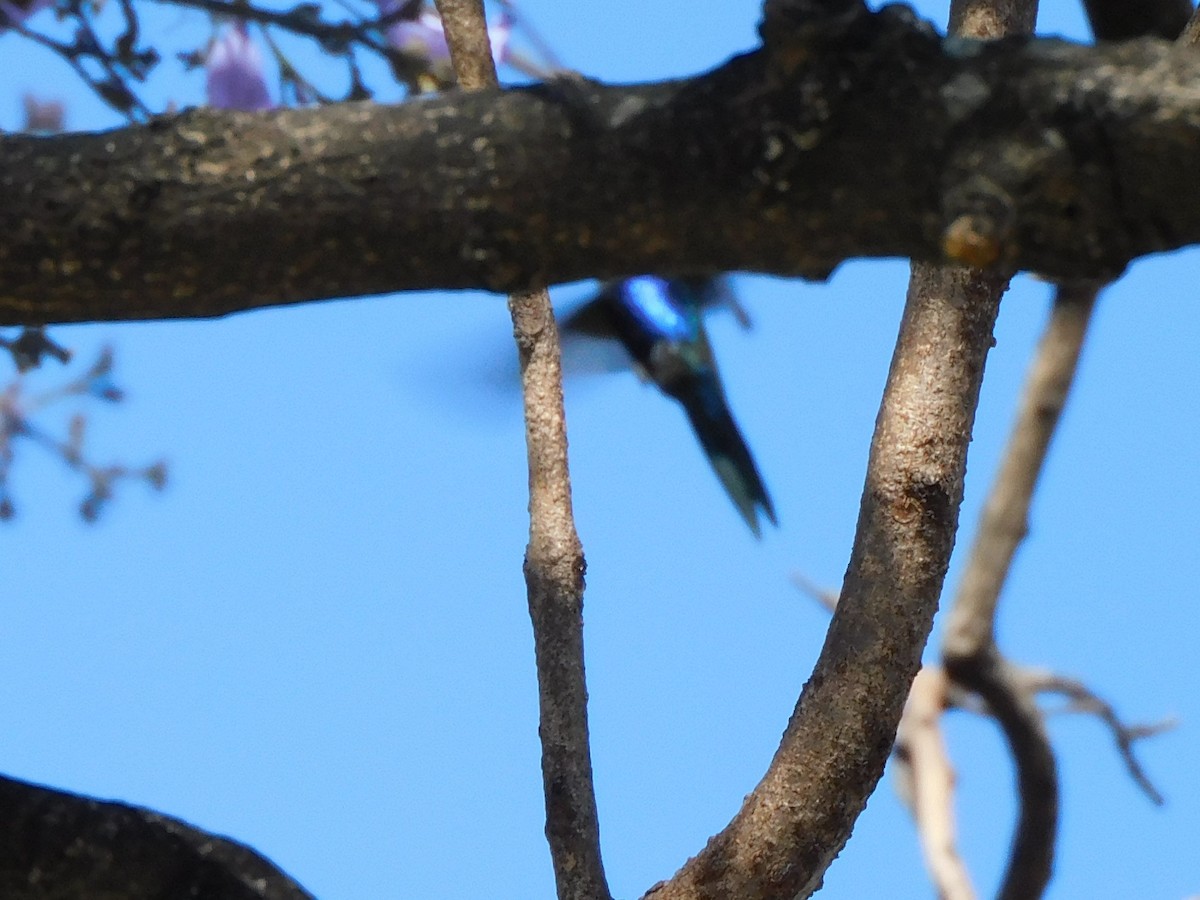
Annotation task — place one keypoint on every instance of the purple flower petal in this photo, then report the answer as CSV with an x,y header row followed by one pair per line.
x,y
15,12
235,72
421,37
425,37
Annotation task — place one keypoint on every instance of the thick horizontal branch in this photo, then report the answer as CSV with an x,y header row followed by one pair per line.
x,y
873,138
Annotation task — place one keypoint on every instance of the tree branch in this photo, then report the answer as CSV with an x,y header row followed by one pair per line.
x,y
1119,20
838,739
554,563
969,650
1005,519
56,845
1084,700
970,654
554,570
1065,160
986,19
924,769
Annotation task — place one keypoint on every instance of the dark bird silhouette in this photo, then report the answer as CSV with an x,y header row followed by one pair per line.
x,y
659,321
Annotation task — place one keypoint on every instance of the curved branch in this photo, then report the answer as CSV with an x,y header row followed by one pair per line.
x,y
970,654
55,845
799,816
1031,857
1066,160
994,19
838,739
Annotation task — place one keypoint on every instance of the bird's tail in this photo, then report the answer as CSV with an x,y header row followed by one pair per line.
x,y
726,449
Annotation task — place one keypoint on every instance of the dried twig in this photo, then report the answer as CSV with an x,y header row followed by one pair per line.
x,y
1005,520
927,778
827,599
554,563
18,423
1084,700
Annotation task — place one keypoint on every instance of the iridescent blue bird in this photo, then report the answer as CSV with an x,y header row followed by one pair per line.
x,y
660,323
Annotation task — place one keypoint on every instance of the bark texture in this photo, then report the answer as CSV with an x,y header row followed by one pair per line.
x,y
871,136
554,563
839,736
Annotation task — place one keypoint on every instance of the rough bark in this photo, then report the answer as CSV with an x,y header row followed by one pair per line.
x,y
838,739
870,137
554,563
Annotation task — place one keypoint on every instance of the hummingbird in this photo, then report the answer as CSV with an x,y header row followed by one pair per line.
x,y
659,322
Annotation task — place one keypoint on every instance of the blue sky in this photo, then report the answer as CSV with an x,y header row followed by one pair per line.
x,y
316,640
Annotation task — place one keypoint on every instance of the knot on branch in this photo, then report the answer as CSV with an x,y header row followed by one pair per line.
x,y
988,181
981,222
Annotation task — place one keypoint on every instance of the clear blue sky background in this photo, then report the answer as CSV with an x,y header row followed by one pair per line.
x,y
317,642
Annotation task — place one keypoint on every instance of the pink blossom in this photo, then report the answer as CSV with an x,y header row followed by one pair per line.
x,y
236,79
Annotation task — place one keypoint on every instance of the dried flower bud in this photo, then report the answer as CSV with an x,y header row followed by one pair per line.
x,y
44,116
156,475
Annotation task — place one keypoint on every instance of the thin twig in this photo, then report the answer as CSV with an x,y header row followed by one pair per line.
x,y
827,599
1084,700
928,779
70,54
301,20
554,569
540,44
1005,520
554,563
